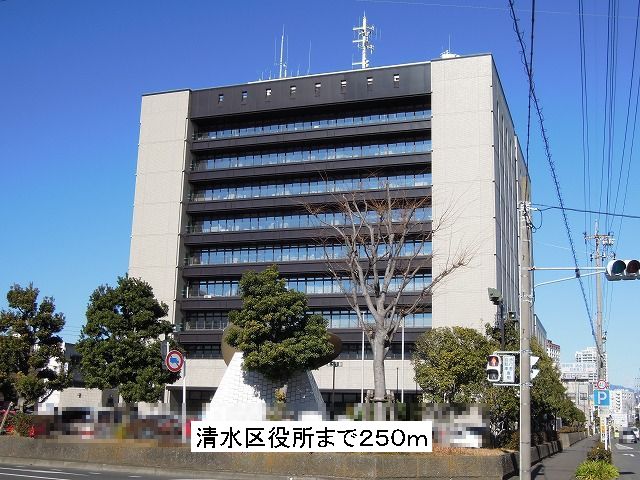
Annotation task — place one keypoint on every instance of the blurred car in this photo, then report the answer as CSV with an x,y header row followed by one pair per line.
x,y
636,432
627,436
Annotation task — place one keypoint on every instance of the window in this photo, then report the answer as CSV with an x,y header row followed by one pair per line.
x,y
245,94
220,97
396,79
292,91
317,88
267,92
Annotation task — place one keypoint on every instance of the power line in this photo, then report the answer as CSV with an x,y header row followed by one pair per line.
x,y
552,167
595,212
533,17
633,134
484,7
586,155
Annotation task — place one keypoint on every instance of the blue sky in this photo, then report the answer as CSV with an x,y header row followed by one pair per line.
x,y
73,73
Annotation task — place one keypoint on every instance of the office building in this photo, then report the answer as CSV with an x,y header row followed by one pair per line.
x,y
553,350
590,356
224,175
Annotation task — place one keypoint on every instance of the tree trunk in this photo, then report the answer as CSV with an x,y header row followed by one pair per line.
x,y
380,388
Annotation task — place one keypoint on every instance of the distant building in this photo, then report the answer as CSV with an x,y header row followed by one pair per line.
x,y
539,332
590,356
623,407
553,350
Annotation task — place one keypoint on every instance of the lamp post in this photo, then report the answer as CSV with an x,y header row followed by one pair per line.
x,y
333,387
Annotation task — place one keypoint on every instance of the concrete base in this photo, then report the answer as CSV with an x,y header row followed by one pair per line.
x,y
248,396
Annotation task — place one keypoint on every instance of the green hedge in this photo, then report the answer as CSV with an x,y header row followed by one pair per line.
x,y
596,470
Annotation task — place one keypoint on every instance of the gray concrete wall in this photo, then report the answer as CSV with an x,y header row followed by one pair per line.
x,y
176,460
158,210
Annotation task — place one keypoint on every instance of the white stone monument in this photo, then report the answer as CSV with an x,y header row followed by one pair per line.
x,y
247,395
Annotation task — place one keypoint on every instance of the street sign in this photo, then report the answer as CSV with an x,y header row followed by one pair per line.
x,y
509,368
601,398
174,361
602,385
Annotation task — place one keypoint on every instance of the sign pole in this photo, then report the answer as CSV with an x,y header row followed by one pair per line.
x,y
184,401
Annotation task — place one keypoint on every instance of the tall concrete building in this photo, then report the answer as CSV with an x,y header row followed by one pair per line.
x,y
589,356
224,174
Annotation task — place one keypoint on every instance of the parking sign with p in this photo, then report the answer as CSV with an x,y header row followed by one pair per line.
x,y
601,398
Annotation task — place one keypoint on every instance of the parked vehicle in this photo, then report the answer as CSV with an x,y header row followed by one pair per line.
x,y
636,432
627,436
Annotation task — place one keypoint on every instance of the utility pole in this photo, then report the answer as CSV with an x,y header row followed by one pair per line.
x,y
605,240
526,311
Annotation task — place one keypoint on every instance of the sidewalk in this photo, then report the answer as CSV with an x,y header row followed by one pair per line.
x,y
562,466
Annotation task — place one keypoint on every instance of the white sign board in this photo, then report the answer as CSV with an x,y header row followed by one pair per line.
x,y
509,368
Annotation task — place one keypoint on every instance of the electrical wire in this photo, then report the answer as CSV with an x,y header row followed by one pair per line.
x,y
597,212
635,118
533,17
586,154
547,150
480,7
612,106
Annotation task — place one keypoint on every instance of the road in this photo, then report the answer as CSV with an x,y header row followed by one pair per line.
x,y
27,472
626,458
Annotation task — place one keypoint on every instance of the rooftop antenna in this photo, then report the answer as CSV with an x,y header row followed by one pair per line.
x,y
363,41
309,66
448,53
282,65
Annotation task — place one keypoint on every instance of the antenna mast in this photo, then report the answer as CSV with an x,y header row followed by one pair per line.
x,y
363,42
282,63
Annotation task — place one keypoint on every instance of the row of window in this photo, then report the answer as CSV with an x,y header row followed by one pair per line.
x,y
353,351
317,87
341,318
272,222
311,155
203,350
307,285
288,253
306,187
338,318
300,126
350,351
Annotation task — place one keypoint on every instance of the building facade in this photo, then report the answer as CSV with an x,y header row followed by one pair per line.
x,y
553,350
225,175
589,356
623,407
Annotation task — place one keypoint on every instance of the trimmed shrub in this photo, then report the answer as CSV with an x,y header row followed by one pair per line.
x,y
590,470
599,454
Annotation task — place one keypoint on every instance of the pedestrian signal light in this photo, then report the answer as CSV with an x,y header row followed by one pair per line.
x,y
623,270
494,368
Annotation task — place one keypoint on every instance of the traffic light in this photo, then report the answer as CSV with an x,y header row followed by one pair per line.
x,y
494,368
495,296
623,270
534,371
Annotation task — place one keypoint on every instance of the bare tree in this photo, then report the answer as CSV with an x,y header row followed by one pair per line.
x,y
386,244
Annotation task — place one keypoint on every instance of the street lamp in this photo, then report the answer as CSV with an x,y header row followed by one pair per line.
x,y
333,387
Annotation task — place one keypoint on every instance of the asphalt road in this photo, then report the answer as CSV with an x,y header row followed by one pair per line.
x,y
26,472
626,458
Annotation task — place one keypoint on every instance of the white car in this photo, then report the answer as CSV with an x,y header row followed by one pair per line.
x,y
636,432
